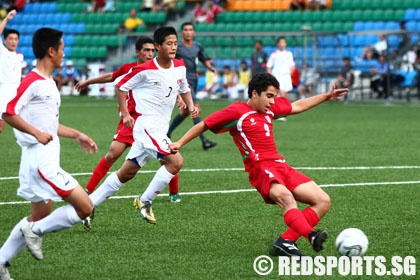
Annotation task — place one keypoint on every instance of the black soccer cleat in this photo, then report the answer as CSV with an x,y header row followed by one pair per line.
x,y
283,247
207,144
317,239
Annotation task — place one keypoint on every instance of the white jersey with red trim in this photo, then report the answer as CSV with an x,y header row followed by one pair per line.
x,y
11,66
155,90
37,102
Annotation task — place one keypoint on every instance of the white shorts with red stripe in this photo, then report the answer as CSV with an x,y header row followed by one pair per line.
x,y
150,141
40,175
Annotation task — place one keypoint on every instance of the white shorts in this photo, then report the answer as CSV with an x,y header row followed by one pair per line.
x,y
150,141
7,93
41,177
285,82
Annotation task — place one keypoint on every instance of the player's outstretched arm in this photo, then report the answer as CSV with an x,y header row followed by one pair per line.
x,y
84,141
194,131
303,105
105,78
9,16
17,122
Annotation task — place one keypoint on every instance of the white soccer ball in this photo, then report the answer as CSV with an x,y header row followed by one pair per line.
x,y
352,242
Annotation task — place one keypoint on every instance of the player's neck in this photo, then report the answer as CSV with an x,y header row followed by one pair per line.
x,y
164,62
45,68
188,42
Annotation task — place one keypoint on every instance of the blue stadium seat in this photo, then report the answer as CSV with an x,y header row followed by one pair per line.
x,y
359,26
392,25
393,41
411,25
328,41
410,14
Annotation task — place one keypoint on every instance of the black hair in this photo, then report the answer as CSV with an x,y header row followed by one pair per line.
x,y
186,24
281,37
162,32
143,40
260,82
43,39
7,32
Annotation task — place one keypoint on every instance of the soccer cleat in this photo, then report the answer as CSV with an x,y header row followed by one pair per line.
x,y
33,240
175,198
4,272
87,222
146,211
283,247
317,239
282,119
207,144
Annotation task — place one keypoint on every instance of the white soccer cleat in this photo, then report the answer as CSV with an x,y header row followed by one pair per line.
x,y
4,272
33,241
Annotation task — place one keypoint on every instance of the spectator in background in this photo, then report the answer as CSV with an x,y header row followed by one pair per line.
x,y
346,78
98,6
258,59
404,39
297,5
147,5
229,83
199,13
316,4
212,11
71,75
308,79
244,78
58,77
409,59
295,75
380,77
373,52
132,22
211,86
17,5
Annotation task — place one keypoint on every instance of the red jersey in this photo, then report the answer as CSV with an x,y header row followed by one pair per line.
x,y
131,104
251,131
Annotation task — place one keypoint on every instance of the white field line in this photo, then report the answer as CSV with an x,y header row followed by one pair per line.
x,y
242,169
251,190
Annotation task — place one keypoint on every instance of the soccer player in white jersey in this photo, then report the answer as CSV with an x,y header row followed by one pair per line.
x,y
154,86
281,65
10,64
34,115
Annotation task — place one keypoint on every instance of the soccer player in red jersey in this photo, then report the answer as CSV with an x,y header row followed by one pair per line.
x,y
124,135
251,127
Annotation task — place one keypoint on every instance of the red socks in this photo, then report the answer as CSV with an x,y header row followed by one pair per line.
x,y
173,185
98,173
300,223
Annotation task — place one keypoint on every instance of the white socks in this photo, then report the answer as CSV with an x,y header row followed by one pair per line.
x,y
13,245
110,186
61,218
158,183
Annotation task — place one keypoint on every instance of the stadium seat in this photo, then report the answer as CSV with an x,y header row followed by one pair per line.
x,y
410,14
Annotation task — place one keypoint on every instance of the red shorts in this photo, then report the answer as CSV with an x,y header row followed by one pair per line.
x,y
263,174
124,134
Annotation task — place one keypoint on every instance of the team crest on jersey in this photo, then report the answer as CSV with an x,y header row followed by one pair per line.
x,y
252,120
179,81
